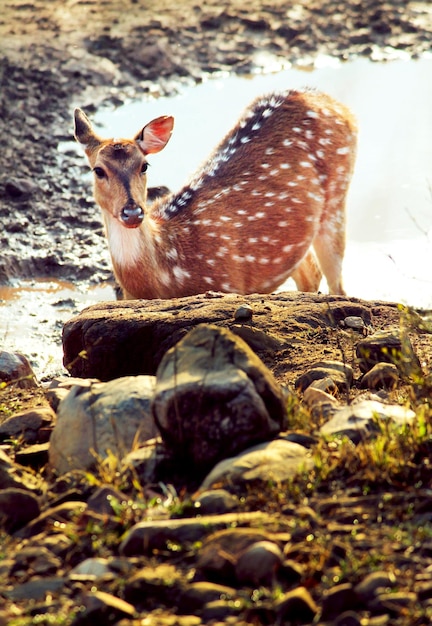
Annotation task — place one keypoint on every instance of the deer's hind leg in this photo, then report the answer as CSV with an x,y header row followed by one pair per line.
x,y
307,275
329,245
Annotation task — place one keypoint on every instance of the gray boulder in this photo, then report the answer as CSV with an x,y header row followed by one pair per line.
x,y
361,420
276,460
214,397
97,418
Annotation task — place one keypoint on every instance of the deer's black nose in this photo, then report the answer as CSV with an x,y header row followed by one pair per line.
x,y
132,215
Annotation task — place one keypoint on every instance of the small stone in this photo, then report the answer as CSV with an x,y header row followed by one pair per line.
x,y
276,460
355,322
14,476
338,599
243,313
320,399
381,376
60,386
15,369
36,589
98,419
258,564
20,188
25,425
394,603
326,384
90,569
359,421
373,583
17,508
340,374
104,608
313,396
216,501
35,456
389,346
198,594
296,606
221,550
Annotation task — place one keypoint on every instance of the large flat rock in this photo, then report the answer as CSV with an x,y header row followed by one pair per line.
x,y
114,339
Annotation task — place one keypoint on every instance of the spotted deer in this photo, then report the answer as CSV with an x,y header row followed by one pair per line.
x,y
269,203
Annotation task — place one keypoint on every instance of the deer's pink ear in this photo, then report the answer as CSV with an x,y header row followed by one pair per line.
x,y
155,135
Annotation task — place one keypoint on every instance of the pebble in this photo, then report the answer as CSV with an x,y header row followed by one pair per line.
x,y
389,346
338,599
147,536
197,594
20,188
103,608
243,313
358,421
90,569
17,508
26,425
355,322
296,606
259,564
381,376
373,583
339,374
15,368
216,501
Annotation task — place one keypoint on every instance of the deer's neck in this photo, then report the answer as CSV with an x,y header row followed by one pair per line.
x,y
136,257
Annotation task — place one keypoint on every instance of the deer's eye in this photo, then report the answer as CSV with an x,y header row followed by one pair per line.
x,y
99,172
144,167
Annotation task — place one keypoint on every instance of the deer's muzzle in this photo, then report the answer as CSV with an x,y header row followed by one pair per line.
x,y
132,216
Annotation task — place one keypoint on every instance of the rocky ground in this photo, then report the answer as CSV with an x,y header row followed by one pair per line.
x,y
353,534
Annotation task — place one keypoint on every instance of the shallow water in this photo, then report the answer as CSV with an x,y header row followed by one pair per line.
x,y
32,315
389,232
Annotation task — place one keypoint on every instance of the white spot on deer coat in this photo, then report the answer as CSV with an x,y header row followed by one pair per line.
x,y
180,274
172,254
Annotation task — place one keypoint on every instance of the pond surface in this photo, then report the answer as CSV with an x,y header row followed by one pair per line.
x,y
389,231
